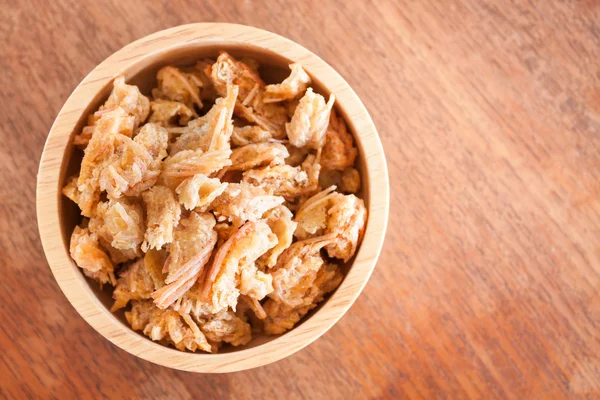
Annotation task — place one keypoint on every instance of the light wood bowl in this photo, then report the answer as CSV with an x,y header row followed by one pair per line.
x,y
139,62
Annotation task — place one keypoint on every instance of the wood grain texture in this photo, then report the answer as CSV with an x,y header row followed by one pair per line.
x,y
139,62
488,284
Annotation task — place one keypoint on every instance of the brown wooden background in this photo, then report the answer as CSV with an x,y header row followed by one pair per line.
x,y
488,284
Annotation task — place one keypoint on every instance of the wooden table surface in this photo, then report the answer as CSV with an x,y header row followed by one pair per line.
x,y
488,284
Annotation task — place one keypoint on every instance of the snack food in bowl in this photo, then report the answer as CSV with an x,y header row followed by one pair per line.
x,y
221,198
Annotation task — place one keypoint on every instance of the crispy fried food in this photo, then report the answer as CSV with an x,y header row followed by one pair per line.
x,y
120,223
339,151
177,85
249,134
310,120
199,191
205,200
346,219
285,180
167,326
225,326
135,165
280,221
225,281
256,155
97,154
242,202
193,242
290,88
213,130
312,215
281,317
250,103
162,214
127,97
134,283
88,256
168,113
187,163
297,269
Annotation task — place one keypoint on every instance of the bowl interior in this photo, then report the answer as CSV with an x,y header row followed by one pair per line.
x,y
274,68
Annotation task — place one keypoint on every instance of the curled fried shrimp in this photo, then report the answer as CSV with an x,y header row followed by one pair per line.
x,y
176,85
310,120
291,87
88,256
225,326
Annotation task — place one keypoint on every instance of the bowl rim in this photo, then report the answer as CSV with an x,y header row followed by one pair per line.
x,y
72,282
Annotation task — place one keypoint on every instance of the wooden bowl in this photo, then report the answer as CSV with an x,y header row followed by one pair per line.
x,y
139,62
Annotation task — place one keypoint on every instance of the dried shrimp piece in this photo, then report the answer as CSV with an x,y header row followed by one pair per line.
x,y
296,270
97,154
252,304
250,105
249,134
199,191
280,221
253,282
187,163
133,284
242,249
242,202
71,191
136,164
291,87
339,151
155,139
256,155
193,241
312,216
310,120
130,99
167,325
162,214
168,113
348,180
120,223
88,256
346,219
176,85
285,180
227,327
